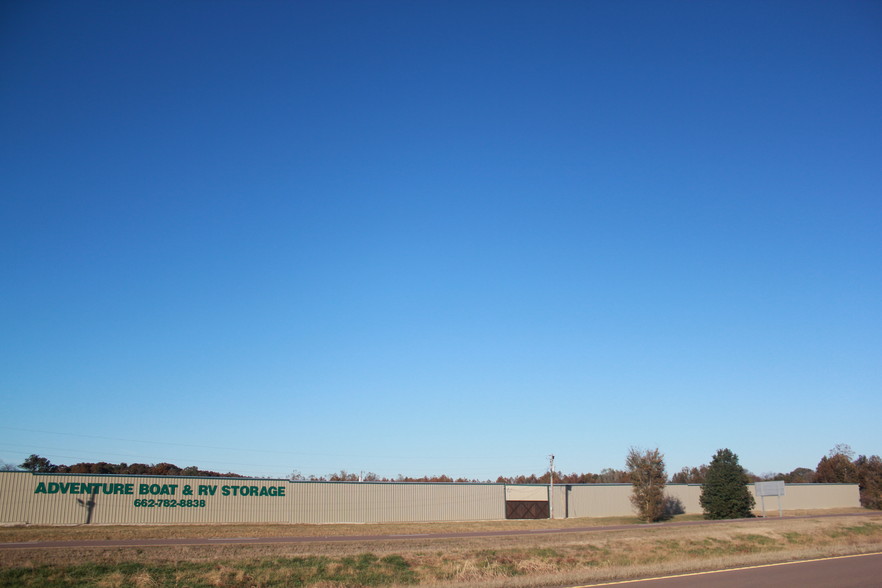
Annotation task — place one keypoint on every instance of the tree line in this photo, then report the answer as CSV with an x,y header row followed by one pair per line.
x,y
38,464
839,466
607,476
724,482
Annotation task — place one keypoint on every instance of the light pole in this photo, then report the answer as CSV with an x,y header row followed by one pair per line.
x,y
551,488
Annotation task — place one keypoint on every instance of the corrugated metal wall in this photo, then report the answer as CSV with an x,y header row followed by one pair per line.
x,y
79,499
330,502
614,500
48,499
806,496
599,500
526,492
687,494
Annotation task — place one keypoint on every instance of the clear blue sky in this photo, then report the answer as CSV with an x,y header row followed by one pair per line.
x,y
440,237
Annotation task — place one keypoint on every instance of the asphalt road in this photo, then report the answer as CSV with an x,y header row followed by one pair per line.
x,y
849,571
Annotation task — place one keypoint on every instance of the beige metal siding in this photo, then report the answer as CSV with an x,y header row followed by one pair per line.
x,y
57,499
560,502
603,500
330,502
687,494
303,502
813,496
600,500
531,492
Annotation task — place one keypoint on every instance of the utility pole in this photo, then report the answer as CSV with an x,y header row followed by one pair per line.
x,y
551,488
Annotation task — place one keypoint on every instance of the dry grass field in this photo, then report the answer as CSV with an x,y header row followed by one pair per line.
x,y
110,532
577,557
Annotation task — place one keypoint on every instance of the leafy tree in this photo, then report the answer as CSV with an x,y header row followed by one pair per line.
x,y
166,469
799,476
522,479
441,478
647,473
869,471
138,469
102,467
546,478
576,478
606,476
35,463
724,494
837,467
613,476
690,475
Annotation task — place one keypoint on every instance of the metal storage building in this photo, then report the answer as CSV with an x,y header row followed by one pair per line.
x,y
74,499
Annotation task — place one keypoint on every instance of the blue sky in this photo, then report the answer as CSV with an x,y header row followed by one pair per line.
x,y
440,237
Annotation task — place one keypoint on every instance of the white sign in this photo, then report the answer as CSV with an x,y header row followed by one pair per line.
x,y
770,488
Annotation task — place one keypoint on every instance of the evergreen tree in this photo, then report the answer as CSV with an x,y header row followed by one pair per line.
x,y
724,494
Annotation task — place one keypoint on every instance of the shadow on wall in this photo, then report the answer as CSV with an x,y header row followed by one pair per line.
x,y
673,506
89,505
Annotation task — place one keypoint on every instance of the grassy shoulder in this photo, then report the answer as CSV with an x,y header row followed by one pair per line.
x,y
17,534
215,531
519,560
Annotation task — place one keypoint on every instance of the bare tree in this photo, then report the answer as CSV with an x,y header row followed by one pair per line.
x,y
7,467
